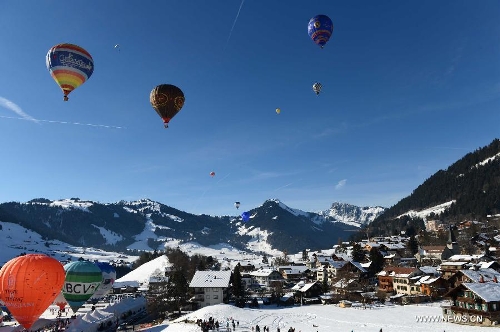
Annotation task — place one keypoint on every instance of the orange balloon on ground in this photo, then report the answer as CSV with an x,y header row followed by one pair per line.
x,y
29,284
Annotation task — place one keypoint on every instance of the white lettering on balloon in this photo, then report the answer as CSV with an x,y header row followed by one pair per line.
x,y
72,62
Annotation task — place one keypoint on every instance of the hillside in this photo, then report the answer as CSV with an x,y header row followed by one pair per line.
x,y
469,189
148,225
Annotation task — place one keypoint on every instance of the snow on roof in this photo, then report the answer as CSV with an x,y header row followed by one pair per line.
x,y
359,266
219,279
396,271
303,287
294,269
487,274
262,272
465,258
453,263
429,270
488,291
429,280
393,246
485,265
337,264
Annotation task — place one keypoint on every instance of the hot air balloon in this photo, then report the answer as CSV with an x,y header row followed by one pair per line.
x,y
245,216
167,100
117,47
108,279
278,111
317,88
82,280
320,29
237,205
212,174
29,284
60,301
70,66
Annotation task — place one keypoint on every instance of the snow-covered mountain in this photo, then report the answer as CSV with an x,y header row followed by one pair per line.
x,y
148,225
352,215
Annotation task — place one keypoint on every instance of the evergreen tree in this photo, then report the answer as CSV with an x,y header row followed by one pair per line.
x,y
377,261
177,290
412,245
238,287
358,254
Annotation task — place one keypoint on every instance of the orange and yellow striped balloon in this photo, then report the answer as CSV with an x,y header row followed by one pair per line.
x,y
70,66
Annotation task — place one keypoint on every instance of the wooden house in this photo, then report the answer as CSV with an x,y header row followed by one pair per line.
x,y
474,304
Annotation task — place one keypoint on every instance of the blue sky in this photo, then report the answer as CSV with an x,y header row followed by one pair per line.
x,y
409,87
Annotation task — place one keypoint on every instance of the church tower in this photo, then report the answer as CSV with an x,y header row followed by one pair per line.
x,y
452,242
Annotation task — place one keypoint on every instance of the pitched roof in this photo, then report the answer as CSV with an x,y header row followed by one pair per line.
x,y
433,248
262,272
397,271
487,274
218,279
303,287
488,291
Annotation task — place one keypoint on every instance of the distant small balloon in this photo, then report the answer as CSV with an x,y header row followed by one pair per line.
x,y
278,110
317,88
212,174
237,204
245,216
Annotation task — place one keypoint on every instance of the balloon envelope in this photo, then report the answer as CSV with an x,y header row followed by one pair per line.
x,y
60,301
237,205
278,110
167,100
317,88
70,66
108,279
82,280
212,173
29,284
320,29
245,216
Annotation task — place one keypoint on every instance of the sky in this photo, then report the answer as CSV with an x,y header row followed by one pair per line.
x,y
408,89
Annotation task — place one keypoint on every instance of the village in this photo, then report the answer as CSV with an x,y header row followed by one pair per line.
x,y
350,275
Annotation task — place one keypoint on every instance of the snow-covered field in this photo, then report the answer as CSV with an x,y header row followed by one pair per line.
x,y
322,318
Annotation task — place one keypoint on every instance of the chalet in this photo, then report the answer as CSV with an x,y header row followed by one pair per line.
x,y
399,279
430,254
304,292
210,287
349,289
448,269
468,276
334,270
432,286
265,277
405,281
294,272
392,258
474,304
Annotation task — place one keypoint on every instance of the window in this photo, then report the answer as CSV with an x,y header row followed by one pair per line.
x,y
215,297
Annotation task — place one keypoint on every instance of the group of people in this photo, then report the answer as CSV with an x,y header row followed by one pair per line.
x,y
211,324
